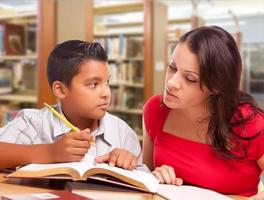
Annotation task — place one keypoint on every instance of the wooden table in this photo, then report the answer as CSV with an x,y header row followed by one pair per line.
x,y
22,186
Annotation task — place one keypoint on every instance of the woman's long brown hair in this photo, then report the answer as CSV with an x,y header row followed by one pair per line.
x,y
220,70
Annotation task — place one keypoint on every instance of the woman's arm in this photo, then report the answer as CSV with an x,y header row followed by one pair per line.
x,y
147,149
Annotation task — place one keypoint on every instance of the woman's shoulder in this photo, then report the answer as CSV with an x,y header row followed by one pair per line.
x,y
248,121
155,100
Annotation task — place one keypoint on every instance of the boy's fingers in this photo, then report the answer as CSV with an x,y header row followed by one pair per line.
x,y
82,136
76,158
133,164
103,158
79,151
124,162
113,157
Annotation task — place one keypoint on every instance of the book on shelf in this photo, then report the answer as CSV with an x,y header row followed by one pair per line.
x,y
5,80
84,169
13,39
7,113
56,194
122,46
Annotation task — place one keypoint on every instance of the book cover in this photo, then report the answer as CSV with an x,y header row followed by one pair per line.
x,y
58,195
13,39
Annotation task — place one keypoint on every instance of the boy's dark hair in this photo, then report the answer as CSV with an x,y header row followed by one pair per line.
x,y
65,59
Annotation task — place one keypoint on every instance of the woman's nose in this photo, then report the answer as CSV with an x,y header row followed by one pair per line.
x,y
174,82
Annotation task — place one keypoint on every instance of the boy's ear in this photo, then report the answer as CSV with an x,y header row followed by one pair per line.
x,y
59,89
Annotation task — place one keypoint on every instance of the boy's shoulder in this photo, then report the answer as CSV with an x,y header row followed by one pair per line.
x,y
34,112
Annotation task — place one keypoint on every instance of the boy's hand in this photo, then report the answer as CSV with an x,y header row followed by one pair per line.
x,y
71,147
120,158
166,175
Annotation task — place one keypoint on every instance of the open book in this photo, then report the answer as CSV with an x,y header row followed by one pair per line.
x,y
87,168
136,179
171,192
186,192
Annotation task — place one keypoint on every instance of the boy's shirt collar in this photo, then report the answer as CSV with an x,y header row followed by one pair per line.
x,y
63,128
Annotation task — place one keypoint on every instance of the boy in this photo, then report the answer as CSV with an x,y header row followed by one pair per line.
x,y
79,77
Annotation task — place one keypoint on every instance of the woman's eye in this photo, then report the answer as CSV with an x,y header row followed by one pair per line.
x,y
172,68
191,80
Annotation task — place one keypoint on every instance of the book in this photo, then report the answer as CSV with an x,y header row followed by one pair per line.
x,y
79,172
13,39
184,192
187,192
88,168
107,191
58,195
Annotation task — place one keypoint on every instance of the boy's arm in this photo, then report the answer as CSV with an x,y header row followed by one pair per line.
x,y
12,155
70,147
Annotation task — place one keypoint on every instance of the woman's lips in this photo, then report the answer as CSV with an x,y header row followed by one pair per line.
x,y
170,94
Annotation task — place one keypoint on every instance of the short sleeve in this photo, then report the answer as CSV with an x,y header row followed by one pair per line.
x,y
256,128
19,131
252,132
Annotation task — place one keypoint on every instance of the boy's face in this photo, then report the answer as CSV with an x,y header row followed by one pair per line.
x,y
89,94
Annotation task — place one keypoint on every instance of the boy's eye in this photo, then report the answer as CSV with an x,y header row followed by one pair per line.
x,y
92,85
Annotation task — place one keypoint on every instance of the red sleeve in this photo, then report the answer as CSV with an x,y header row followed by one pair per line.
x,y
252,132
256,126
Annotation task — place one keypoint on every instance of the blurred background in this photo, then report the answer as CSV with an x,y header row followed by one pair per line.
x,y
138,35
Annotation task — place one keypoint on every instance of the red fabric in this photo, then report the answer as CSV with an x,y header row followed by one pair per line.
x,y
197,163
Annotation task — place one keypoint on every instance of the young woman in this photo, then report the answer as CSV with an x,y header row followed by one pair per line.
x,y
203,130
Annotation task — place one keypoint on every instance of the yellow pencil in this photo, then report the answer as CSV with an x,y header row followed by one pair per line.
x,y
55,112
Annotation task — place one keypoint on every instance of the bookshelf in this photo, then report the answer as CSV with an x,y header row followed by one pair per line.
x,y
125,52
18,64
254,70
132,58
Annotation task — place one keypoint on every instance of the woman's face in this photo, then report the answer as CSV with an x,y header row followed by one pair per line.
x,y
182,83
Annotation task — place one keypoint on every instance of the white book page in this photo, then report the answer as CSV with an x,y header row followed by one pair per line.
x,y
185,192
148,179
86,163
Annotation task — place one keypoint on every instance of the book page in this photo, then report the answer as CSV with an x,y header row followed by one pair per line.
x,y
86,163
148,179
185,192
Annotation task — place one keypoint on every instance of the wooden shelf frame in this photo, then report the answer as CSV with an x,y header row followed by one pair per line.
x,y
19,57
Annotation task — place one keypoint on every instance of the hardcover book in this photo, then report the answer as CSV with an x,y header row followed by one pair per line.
x,y
87,168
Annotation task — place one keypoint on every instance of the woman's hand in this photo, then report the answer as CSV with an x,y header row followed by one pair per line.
x,y
259,196
120,158
165,174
